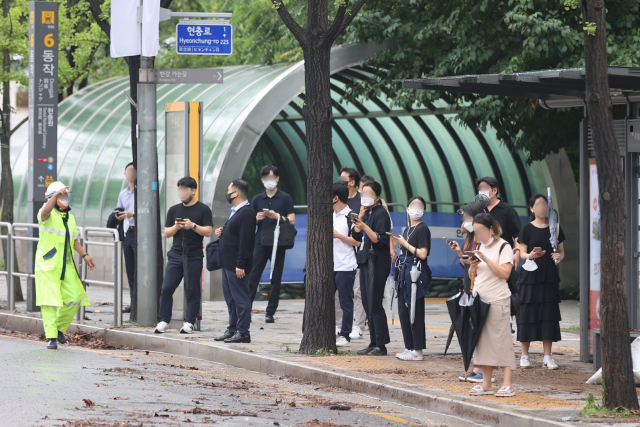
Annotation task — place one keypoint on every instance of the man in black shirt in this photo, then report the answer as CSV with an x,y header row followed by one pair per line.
x,y
352,178
236,259
502,212
188,223
267,207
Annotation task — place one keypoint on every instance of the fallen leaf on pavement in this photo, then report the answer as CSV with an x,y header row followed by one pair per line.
x,y
88,402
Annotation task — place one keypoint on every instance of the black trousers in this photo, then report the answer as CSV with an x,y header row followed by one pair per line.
x,y
378,327
173,275
129,250
414,335
262,254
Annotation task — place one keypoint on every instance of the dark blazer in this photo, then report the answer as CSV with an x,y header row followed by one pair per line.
x,y
112,222
237,241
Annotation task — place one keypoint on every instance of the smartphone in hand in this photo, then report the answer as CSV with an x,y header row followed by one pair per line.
x,y
472,256
447,240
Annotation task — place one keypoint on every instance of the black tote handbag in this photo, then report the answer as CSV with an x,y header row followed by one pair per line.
x,y
287,235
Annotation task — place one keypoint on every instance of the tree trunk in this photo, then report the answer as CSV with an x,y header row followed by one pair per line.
x,y
319,313
616,352
5,153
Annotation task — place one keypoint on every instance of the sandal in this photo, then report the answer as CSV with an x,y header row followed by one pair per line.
x,y
505,392
479,391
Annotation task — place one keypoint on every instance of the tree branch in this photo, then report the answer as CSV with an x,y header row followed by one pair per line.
x,y
342,20
290,23
23,121
96,11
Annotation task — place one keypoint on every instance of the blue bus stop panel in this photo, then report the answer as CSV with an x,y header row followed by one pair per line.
x,y
199,39
442,260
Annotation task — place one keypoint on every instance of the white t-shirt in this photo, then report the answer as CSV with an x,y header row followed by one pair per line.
x,y
489,286
344,257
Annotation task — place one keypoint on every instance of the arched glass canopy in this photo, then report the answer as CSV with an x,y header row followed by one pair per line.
x,y
255,116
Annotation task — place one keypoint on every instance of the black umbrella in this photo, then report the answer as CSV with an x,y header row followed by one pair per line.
x,y
468,314
185,270
453,305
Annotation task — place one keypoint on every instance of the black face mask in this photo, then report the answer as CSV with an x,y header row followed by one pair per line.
x,y
186,202
229,199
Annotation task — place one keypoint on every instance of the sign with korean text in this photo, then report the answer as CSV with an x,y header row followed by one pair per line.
x,y
199,38
182,75
43,97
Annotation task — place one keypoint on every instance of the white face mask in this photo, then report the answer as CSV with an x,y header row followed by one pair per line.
x,y
270,185
367,201
64,200
486,193
415,214
491,239
468,226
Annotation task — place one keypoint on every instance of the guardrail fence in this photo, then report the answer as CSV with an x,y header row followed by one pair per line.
x,y
84,233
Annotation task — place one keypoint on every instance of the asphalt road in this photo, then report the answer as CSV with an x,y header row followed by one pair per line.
x,y
76,386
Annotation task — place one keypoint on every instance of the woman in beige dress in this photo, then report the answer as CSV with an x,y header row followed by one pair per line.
x,y
491,270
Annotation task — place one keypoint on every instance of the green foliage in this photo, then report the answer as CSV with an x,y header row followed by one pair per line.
x,y
592,409
590,28
435,38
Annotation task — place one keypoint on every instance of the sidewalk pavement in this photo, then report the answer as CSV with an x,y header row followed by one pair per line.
x,y
548,395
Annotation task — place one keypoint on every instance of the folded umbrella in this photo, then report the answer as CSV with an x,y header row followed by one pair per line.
x,y
415,275
455,313
276,237
554,223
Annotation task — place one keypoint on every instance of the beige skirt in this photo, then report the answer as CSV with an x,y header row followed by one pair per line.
x,y
495,347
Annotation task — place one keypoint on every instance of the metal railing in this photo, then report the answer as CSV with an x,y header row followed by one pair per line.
x,y
83,232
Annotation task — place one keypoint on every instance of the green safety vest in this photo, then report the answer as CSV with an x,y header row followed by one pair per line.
x,y
49,260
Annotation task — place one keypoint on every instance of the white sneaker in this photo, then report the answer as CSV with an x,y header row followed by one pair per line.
x,y
399,355
410,355
161,328
337,330
356,333
187,328
342,342
524,362
549,364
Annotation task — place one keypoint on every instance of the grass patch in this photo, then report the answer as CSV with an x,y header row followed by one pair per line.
x,y
573,328
592,409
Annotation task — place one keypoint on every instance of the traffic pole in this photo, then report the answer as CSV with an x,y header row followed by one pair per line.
x,y
147,173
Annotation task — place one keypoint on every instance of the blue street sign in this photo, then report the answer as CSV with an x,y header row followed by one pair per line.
x,y
50,166
203,39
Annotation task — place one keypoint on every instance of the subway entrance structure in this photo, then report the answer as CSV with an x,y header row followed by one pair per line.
x,y
254,118
563,88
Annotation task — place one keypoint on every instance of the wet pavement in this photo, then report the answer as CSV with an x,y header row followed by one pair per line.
x,y
75,386
553,394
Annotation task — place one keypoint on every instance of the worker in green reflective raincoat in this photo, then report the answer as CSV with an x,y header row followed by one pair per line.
x,y
59,291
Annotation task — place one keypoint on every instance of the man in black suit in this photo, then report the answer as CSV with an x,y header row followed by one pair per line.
x,y
237,239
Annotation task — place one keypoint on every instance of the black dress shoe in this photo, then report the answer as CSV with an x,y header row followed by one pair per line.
x,y
238,338
365,351
377,351
269,319
227,334
127,309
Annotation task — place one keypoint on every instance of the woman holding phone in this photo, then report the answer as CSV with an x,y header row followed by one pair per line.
x,y
469,211
375,222
495,346
539,311
415,244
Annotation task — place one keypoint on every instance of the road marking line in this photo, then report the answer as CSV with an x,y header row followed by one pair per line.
x,y
388,417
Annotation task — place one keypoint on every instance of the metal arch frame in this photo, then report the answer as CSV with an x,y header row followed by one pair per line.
x,y
261,112
369,144
294,154
408,185
410,140
524,179
301,135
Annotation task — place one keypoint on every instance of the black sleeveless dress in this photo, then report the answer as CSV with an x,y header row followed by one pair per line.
x,y
538,316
